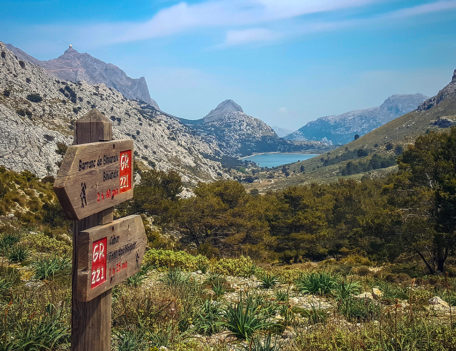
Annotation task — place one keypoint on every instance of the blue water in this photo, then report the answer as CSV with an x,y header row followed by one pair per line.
x,y
271,160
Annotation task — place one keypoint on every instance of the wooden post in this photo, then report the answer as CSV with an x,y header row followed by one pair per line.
x,y
91,180
91,321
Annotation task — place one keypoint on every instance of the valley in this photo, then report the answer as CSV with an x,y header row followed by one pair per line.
x,y
338,236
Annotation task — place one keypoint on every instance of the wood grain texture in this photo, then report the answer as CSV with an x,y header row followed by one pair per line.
x,y
126,244
90,321
93,126
90,180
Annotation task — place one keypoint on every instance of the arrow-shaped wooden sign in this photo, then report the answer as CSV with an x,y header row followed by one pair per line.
x,y
108,254
94,177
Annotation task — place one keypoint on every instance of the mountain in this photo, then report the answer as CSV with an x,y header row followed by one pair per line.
x,y
375,153
38,112
282,132
341,129
238,134
75,67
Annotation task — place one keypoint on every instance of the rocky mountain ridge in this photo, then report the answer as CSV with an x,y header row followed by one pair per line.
x,y
381,145
239,134
341,129
38,111
75,67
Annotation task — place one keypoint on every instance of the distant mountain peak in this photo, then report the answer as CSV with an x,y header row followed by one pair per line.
x,y
225,107
75,66
341,129
70,51
449,91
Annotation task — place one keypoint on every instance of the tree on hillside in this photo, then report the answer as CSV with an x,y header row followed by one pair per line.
x,y
157,195
222,219
427,179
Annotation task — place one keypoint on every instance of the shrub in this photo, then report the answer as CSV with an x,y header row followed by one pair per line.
x,y
175,277
6,242
246,316
49,333
208,318
391,292
282,296
316,283
5,286
34,97
267,344
48,267
359,309
18,254
130,340
218,284
43,243
361,271
174,259
61,148
268,281
346,289
242,266
137,279
316,315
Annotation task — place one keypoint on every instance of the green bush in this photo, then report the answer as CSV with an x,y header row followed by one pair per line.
x,y
174,259
49,333
316,283
137,279
219,286
7,241
175,277
130,340
359,309
208,318
18,254
34,97
392,292
240,267
316,315
268,280
246,316
46,268
345,289
44,243
282,296
267,344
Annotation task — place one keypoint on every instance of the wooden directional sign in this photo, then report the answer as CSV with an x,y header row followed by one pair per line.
x,y
94,177
108,254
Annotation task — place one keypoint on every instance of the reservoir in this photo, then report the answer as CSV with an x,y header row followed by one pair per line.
x,y
275,159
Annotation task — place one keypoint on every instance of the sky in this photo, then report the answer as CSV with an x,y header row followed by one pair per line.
x,y
286,62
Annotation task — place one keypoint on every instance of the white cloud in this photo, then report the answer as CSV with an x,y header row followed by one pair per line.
x,y
245,21
245,36
424,9
183,17
283,110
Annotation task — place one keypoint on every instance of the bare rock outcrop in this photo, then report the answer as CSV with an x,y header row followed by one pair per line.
x,y
37,111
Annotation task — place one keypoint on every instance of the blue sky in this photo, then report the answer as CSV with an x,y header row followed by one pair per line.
x,y
284,61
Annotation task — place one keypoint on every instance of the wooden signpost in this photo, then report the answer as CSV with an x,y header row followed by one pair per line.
x,y
97,174
109,254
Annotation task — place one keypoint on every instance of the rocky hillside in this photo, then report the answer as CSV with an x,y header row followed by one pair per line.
x,y
75,67
38,111
238,134
376,152
341,129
